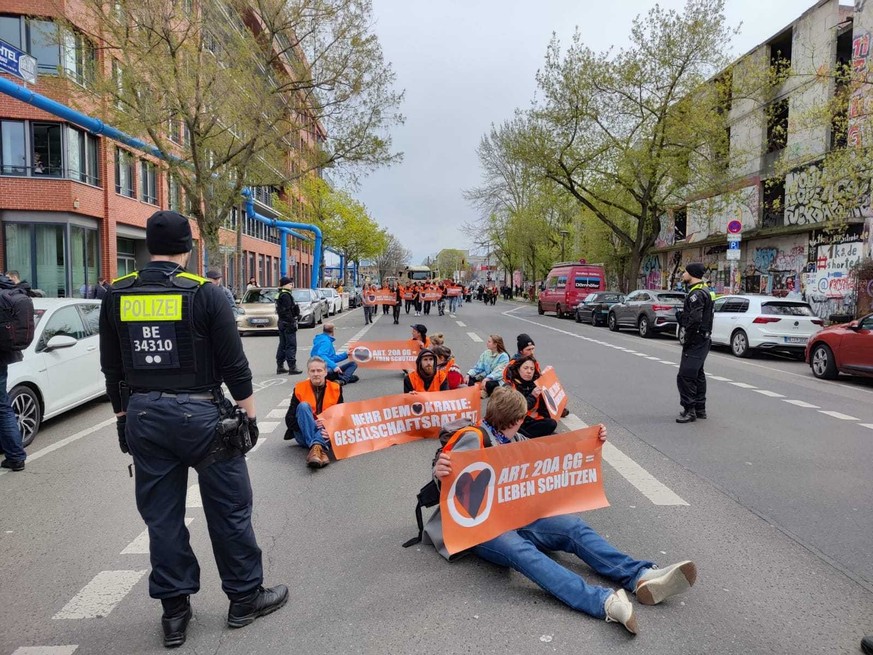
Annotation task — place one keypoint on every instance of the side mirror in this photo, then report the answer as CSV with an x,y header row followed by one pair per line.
x,y
60,341
854,326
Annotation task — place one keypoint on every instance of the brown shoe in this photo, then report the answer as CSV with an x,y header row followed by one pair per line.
x,y
313,459
325,458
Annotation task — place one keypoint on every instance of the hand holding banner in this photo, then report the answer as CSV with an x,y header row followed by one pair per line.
x,y
554,396
367,425
383,296
493,490
395,355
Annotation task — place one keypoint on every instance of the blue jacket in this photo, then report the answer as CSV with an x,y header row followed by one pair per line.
x,y
322,347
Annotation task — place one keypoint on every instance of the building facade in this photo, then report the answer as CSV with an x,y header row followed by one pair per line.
x,y
73,205
787,247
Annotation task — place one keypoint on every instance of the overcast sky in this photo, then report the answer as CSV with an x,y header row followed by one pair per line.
x,y
466,64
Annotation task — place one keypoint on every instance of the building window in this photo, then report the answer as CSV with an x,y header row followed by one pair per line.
x,y
777,125
84,264
38,253
680,223
79,57
175,132
42,43
774,203
13,148
174,193
82,161
124,173
118,76
149,178
780,52
47,151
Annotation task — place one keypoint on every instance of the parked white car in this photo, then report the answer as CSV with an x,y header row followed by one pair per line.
x,y
335,302
61,368
750,322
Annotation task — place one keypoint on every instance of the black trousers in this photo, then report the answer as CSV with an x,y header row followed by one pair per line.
x,y
408,304
538,427
167,436
691,378
427,306
287,350
385,310
396,312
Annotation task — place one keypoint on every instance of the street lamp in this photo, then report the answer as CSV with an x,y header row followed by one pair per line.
x,y
563,234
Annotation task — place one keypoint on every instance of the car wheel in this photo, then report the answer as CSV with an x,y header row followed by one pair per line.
x,y
320,319
740,344
540,309
28,411
593,319
578,318
822,363
558,312
612,323
644,327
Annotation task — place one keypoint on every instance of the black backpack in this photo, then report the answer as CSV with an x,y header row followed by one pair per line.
x,y
429,494
16,320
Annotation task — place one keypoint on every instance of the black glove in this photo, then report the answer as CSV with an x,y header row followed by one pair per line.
x,y
254,433
121,426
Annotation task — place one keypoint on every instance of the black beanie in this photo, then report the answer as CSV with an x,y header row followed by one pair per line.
x,y
523,341
168,233
696,270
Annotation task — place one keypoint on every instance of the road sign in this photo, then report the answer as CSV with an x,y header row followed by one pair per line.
x,y
17,63
734,238
733,255
735,227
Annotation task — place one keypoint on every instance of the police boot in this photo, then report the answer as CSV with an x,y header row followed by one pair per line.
x,y
258,603
687,416
177,614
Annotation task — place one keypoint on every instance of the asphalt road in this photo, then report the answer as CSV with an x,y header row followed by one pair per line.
x,y
777,515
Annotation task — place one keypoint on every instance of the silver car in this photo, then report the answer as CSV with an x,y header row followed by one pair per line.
x,y
647,311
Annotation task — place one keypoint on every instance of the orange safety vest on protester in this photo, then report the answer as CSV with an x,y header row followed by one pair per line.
x,y
435,384
305,394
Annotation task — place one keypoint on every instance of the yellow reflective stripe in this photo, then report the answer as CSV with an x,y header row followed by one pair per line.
x,y
164,307
124,277
191,276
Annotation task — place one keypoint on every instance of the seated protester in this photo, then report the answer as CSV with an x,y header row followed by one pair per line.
x,y
310,398
526,347
522,375
337,371
490,366
445,362
525,549
419,333
426,376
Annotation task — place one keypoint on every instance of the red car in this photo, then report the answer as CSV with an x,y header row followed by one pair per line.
x,y
845,348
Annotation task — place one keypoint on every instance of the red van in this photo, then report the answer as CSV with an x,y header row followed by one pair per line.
x,y
567,284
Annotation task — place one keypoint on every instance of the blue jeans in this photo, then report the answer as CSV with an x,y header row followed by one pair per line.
x,y
10,435
308,433
453,304
348,368
523,550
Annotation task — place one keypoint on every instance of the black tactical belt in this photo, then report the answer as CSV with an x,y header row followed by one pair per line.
x,y
200,395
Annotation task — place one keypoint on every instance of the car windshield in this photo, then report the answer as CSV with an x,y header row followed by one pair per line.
x,y
671,296
301,295
260,296
609,297
787,309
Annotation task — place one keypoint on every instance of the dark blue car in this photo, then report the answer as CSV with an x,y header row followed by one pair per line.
x,y
595,307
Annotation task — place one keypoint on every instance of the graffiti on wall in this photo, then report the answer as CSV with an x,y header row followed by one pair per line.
x,y
859,100
712,215
652,272
831,288
809,201
780,259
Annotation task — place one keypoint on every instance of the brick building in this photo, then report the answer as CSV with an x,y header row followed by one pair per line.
x,y
73,206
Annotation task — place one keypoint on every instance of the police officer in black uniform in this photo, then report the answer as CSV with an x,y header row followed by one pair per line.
x,y
167,341
289,313
695,322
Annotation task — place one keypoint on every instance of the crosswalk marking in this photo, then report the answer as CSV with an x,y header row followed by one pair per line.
x,y
801,403
100,596
276,413
285,402
475,337
461,324
839,415
46,650
193,499
140,545
268,427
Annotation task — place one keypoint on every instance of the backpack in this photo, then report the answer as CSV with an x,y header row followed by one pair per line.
x,y
429,494
16,320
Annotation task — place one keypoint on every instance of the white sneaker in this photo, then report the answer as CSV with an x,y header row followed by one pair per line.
x,y
657,585
619,609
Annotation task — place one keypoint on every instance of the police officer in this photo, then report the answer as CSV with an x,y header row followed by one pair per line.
x,y
696,322
288,312
167,341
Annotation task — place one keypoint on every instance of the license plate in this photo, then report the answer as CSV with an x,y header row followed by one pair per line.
x,y
259,321
796,339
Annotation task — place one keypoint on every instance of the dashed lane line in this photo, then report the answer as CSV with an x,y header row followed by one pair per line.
x,y
100,596
31,457
839,415
46,650
461,324
743,385
475,337
801,403
769,394
718,377
645,482
140,545
869,426
360,333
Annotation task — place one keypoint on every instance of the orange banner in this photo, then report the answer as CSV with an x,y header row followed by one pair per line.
x,y
383,296
395,355
368,425
431,294
494,490
554,395
409,295
453,291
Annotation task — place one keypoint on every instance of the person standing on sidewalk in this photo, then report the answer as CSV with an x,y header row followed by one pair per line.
x,y
10,434
288,313
696,322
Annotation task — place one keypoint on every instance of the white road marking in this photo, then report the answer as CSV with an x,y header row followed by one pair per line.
x,y
268,427
63,442
869,426
140,545
46,650
664,361
801,403
641,354
261,441
718,377
276,413
842,417
357,336
100,596
639,477
654,359
285,402
462,324
193,499
475,337
769,394
743,385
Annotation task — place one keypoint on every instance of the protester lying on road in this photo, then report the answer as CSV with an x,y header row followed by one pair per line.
x,y
445,362
489,367
310,398
425,377
525,549
522,375
338,368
